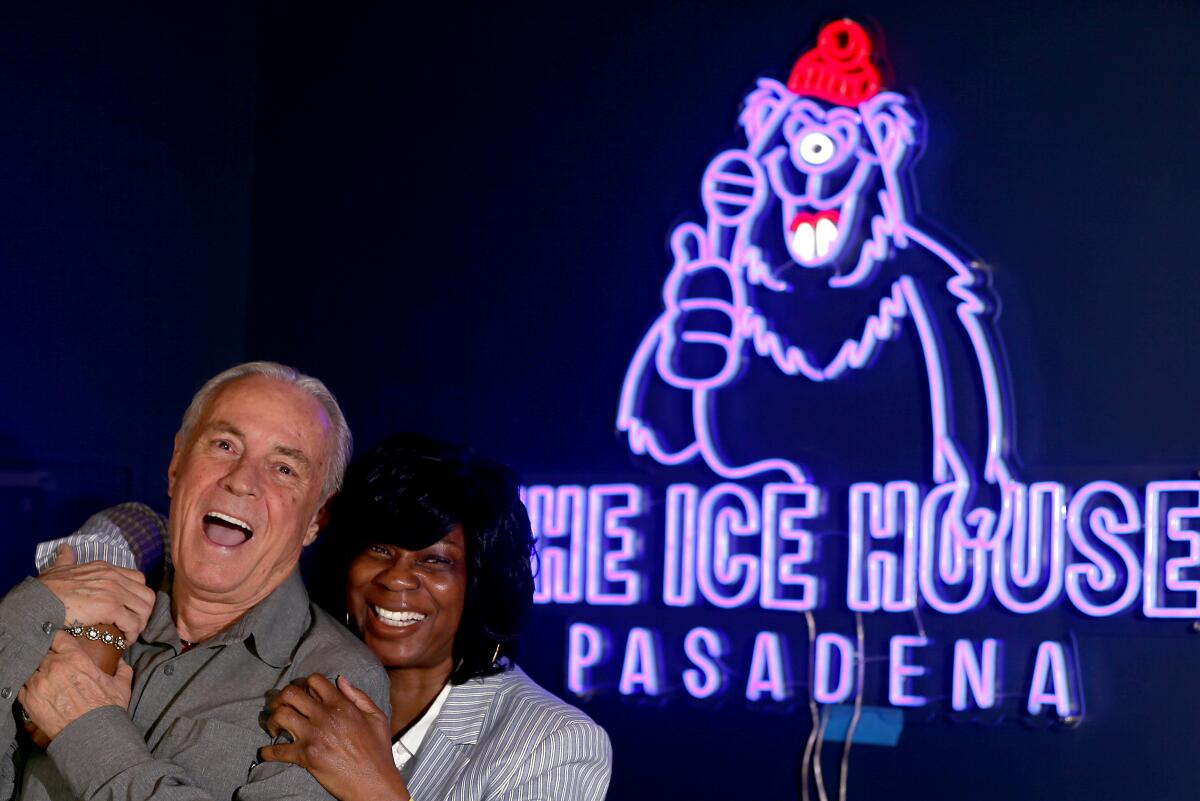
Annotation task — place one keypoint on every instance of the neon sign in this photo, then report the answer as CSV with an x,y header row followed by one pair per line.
x,y
810,273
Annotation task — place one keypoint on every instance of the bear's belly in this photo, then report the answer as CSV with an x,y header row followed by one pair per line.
x,y
872,424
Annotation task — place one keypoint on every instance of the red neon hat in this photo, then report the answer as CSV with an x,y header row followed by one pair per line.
x,y
839,68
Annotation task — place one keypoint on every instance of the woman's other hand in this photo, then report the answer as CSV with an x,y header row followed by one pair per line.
x,y
338,735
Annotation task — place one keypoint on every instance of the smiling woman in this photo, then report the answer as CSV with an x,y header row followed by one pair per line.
x,y
428,557
407,604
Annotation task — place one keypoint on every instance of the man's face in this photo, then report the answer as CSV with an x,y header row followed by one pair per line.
x,y
246,490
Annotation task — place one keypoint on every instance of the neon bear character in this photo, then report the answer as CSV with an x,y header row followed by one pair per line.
x,y
809,273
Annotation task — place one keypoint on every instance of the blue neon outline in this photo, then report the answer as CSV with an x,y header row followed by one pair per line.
x,y
734,196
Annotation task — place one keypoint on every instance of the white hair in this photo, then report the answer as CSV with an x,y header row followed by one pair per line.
x,y
342,441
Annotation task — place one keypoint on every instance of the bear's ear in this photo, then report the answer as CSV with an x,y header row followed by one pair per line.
x,y
760,106
890,129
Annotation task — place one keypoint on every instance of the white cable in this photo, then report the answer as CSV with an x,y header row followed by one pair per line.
x,y
859,680
806,760
920,623
817,772
810,764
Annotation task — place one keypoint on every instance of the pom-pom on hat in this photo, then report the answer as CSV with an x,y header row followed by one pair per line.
x,y
839,68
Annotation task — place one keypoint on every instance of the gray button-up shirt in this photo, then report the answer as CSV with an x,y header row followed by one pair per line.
x,y
192,730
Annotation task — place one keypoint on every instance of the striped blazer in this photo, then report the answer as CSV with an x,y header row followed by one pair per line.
x,y
504,737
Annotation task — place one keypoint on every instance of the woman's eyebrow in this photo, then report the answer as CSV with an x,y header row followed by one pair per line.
x,y
444,544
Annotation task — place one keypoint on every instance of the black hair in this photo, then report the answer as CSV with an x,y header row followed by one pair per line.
x,y
411,491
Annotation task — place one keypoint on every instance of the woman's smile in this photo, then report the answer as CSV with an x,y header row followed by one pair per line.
x,y
408,604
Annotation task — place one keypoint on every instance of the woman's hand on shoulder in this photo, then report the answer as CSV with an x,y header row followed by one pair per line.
x,y
338,735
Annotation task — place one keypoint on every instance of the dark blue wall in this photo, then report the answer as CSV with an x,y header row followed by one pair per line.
x,y
459,221
128,147
463,218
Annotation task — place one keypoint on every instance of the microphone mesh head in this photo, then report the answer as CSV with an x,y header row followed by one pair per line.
x,y
128,535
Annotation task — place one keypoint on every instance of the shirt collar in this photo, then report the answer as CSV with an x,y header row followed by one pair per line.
x,y
271,630
406,747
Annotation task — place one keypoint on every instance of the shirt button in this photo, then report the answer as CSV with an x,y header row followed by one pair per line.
x,y
169,670
6,693
47,627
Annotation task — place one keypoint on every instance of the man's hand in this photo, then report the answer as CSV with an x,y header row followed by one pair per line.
x,y
338,735
68,684
98,592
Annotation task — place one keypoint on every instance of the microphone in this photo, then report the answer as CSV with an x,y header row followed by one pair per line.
x,y
129,535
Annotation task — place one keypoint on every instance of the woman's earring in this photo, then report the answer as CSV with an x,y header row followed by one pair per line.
x,y
496,655
347,620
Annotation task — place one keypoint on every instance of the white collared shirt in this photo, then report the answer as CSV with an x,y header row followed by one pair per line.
x,y
406,747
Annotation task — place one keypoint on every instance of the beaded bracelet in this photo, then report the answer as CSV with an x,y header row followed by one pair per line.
x,y
96,635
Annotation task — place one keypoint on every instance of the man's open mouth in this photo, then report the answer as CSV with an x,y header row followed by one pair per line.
x,y
398,619
226,529
814,234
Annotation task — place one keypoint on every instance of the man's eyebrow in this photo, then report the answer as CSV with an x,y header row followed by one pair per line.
x,y
293,453
224,427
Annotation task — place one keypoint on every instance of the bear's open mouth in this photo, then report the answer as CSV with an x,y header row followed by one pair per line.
x,y
814,234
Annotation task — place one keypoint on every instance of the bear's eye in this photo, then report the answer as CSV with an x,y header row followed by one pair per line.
x,y
816,148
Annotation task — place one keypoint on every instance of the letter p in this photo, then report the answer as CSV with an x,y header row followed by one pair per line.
x,y
585,649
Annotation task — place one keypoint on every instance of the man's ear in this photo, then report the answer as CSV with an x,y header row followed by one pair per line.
x,y
173,467
319,521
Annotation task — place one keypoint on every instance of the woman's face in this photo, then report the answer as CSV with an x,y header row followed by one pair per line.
x,y
407,604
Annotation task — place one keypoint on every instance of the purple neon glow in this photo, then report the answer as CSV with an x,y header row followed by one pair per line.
x,y
718,567
733,189
873,143
555,514
783,524
974,682
585,649
609,506
1162,576
901,672
641,670
976,673
1051,684
1111,527
878,578
940,512
731,547
704,649
845,215
1036,552
679,560
768,668
823,657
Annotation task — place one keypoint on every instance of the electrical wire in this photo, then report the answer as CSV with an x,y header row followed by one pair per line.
x,y
806,760
860,673
818,773
1081,713
917,617
810,763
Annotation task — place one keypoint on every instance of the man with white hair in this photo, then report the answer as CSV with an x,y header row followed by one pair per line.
x,y
260,450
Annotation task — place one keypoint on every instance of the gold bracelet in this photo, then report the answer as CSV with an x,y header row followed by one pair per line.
x,y
96,635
